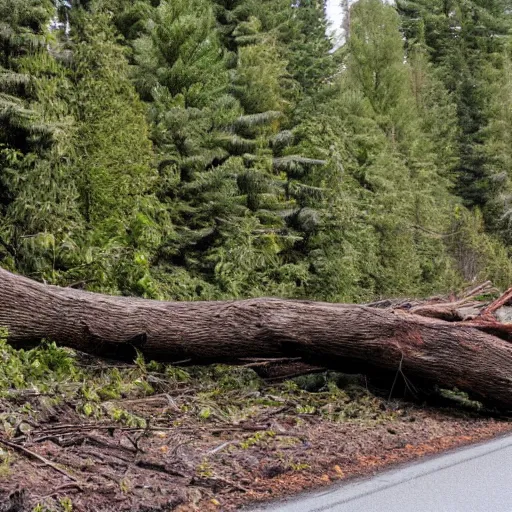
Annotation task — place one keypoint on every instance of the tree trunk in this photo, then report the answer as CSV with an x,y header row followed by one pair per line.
x,y
347,337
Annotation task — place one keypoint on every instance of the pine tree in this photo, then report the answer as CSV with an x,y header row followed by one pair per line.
x,y
393,197
465,39
114,157
39,220
22,32
181,53
301,29
498,152
273,182
187,114
219,148
375,63
223,164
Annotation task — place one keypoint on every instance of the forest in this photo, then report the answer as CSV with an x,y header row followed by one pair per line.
x,y
293,198
195,150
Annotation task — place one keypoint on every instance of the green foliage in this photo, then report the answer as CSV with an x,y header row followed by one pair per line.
x,y
479,254
376,63
467,40
114,155
497,152
214,149
181,52
66,504
38,212
260,68
42,368
259,438
390,200
5,462
307,47
112,135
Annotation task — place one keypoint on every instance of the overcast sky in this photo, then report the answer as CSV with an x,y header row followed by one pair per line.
x,y
333,9
334,12
335,15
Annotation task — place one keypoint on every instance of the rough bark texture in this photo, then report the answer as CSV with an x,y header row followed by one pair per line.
x,y
347,337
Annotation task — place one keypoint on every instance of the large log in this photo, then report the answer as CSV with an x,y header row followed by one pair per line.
x,y
348,337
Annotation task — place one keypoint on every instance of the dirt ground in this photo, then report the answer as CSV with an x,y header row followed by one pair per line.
x,y
218,446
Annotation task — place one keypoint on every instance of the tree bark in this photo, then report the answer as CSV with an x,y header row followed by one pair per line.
x,y
471,356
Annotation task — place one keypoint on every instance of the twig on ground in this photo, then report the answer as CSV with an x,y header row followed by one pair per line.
x,y
64,487
207,482
156,466
296,374
267,361
40,458
220,447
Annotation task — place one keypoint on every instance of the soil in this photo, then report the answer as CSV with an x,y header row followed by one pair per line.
x,y
217,461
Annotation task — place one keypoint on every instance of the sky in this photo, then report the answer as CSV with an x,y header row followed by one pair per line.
x,y
335,16
334,11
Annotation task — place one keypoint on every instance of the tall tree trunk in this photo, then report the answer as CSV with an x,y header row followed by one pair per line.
x,y
347,337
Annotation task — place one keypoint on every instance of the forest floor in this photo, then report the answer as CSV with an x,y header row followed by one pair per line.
x,y
83,434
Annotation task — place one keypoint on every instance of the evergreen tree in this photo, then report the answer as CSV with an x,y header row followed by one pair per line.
x,y
39,219
311,62
219,148
223,170
465,39
22,33
394,195
114,157
498,152
181,53
301,30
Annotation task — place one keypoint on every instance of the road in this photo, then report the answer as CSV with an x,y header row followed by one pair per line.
x,y
474,479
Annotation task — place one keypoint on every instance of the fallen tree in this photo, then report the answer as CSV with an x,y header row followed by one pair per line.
x,y
472,352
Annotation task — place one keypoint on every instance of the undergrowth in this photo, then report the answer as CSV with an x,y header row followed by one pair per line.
x,y
49,382
208,421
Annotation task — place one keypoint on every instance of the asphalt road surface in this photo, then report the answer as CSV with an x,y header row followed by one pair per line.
x,y
474,479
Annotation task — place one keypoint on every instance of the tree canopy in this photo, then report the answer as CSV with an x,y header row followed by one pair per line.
x,y
211,149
